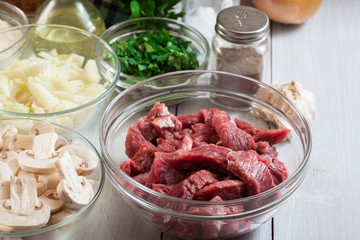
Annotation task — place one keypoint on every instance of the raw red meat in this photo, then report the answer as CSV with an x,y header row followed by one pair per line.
x,y
187,188
187,163
134,140
278,171
249,169
209,157
147,129
226,190
162,124
167,144
230,135
162,188
144,157
186,143
158,110
141,178
204,133
166,168
190,119
273,136
130,168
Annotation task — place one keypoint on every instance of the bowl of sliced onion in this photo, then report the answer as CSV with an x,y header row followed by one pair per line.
x,y
57,73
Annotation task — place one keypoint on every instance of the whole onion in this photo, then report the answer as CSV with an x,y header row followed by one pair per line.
x,y
288,11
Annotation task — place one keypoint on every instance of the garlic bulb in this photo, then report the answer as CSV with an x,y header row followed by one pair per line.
x,y
303,99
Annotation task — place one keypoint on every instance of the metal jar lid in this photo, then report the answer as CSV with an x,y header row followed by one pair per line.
x,y
242,24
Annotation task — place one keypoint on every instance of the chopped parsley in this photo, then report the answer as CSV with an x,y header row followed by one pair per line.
x,y
152,53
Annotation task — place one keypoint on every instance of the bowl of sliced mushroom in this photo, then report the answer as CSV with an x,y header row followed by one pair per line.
x,y
50,178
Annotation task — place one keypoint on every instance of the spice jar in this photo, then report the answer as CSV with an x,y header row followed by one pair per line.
x,y
241,42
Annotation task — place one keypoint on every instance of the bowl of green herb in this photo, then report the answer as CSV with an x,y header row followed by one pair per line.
x,y
150,46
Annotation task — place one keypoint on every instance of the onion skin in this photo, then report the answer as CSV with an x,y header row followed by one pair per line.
x,y
288,11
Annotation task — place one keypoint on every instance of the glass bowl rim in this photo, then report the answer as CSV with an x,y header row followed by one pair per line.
x,y
82,210
83,106
19,12
291,180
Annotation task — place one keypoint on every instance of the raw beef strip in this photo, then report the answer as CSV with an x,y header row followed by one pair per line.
x,y
265,150
144,157
130,168
209,156
134,140
166,168
231,136
142,178
186,143
158,110
162,124
247,167
273,136
179,135
167,144
204,133
162,188
226,190
147,129
190,119
278,171
207,115
187,188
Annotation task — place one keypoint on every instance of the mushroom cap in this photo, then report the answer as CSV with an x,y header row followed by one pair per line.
x,y
84,160
75,199
5,174
20,222
41,127
7,135
51,198
28,162
10,158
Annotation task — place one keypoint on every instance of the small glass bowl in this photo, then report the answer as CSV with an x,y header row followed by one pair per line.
x,y
12,14
66,40
125,30
68,227
200,89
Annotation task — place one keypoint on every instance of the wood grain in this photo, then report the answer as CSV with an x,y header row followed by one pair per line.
x,y
323,54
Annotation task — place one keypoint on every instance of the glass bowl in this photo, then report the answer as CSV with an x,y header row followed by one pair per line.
x,y
125,30
36,39
12,14
202,89
68,227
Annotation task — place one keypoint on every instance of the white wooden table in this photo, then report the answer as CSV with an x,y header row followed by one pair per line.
x,y
324,55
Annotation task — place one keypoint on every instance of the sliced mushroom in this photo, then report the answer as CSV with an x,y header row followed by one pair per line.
x,y
41,127
11,159
51,198
41,182
8,135
6,229
5,174
62,215
60,142
42,157
23,142
75,191
23,211
52,180
84,160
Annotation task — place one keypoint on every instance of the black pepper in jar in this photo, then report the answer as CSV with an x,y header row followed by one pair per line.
x,y
241,43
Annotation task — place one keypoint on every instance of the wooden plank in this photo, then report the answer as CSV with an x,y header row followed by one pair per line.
x,y
111,218
323,54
